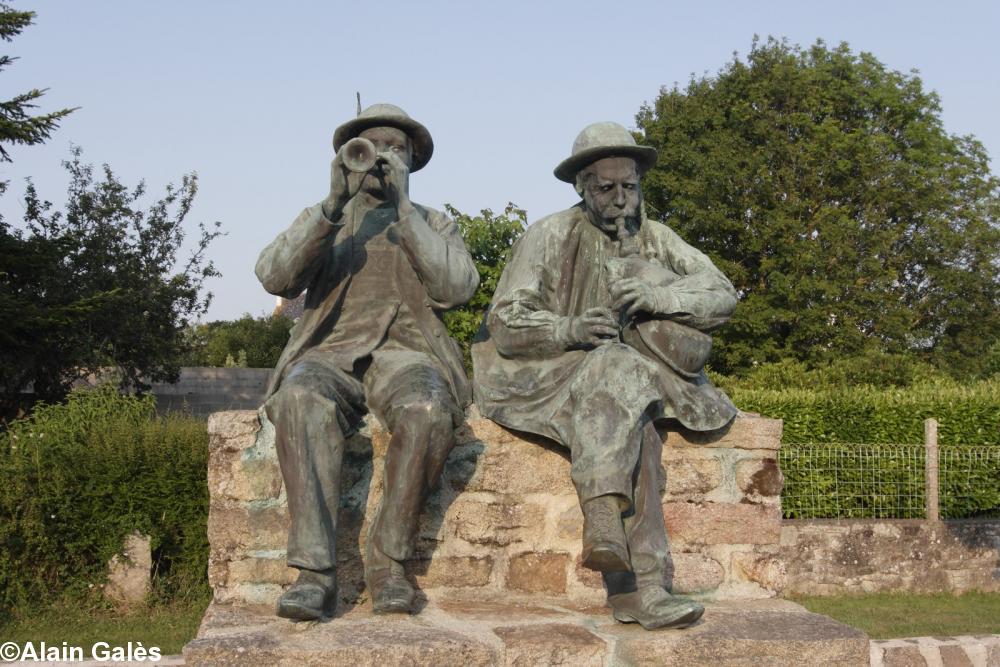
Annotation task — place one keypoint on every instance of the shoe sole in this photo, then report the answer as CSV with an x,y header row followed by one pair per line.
x,y
395,607
297,612
653,623
606,559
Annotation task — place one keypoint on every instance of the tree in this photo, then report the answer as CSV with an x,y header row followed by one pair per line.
x,y
256,342
825,187
489,238
17,125
98,285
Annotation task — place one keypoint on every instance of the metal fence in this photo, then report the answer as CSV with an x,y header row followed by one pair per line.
x,y
890,481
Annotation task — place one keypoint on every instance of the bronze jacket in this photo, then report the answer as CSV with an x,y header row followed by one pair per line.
x,y
557,270
433,272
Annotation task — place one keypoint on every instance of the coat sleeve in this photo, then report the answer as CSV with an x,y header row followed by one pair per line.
x,y
288,264
436,251
701,297
521,321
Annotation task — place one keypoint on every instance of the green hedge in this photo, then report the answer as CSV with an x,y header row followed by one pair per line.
x,y
884,482
76,478
967,415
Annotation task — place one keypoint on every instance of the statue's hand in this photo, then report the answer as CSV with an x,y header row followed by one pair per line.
x,y
595,327
340,193
395,177
637,296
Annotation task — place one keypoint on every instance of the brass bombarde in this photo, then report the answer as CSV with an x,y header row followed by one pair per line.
x,y
359,155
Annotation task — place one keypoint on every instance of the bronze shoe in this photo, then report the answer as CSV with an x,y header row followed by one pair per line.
x,y
312,596
653,607
391,592
604,546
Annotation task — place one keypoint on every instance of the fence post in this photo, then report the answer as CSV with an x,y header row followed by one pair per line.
x,y
931,468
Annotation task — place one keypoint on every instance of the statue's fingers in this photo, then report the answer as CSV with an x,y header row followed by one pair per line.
x,y
638,305
603,331
619,302
598,312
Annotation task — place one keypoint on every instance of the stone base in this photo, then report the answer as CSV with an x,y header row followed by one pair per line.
x,y
505,519
751,633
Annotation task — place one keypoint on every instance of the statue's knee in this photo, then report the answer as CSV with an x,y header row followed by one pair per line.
x,y
426,413
295,400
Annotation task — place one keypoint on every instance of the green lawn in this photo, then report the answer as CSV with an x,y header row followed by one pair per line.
x,y
888,616
166,627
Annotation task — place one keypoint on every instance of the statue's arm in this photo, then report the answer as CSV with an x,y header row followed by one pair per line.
x,y
436,251
521,321
701,296
287,265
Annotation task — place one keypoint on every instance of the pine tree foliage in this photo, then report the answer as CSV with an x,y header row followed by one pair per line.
x,y
17,124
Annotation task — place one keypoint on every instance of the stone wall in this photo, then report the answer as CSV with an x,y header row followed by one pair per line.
x,y
837,557
505,521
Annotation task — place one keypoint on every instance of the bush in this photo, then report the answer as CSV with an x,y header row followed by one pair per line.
x,y
880,482
489,238
76,478
967,414
246,342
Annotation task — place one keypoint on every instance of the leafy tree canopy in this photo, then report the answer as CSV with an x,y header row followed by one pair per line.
x,y
248,341
825,186
99,284
489,238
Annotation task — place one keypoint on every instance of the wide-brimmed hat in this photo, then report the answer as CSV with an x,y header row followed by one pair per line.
x,y
601,140
388,115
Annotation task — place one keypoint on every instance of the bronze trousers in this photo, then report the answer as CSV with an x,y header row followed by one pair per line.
x,y
319,405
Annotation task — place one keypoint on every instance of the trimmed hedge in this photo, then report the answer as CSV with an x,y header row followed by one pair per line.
x,y
967,415
884,482
76,478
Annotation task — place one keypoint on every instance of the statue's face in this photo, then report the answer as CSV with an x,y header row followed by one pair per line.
x,y
386,140
611,190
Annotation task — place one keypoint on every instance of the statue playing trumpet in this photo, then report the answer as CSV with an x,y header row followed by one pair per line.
x,y
377,269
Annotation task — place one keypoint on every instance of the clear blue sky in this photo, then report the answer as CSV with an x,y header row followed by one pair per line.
x,y
248,93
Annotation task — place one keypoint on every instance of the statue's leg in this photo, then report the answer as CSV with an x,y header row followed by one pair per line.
x,y
414,400
609,401
639,596
610,398
312,411
644,528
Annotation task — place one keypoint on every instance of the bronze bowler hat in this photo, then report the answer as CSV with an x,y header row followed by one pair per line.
x,y
388,115
601,140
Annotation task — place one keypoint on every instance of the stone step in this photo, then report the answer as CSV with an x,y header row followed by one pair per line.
x,y
755,633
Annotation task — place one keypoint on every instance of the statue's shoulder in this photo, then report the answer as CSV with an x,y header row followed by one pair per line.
x,y
559,225
438,220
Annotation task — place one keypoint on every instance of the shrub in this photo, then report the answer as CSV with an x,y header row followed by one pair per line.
x,y
76,478
842,480
248,341
967,414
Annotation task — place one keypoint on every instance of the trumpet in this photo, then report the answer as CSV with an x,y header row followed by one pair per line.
x,y
359,155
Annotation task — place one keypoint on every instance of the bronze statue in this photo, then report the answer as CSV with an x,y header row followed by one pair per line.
x,y
596,330
377,270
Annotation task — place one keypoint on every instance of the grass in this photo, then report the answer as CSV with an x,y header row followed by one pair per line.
x,y
168,627
897,615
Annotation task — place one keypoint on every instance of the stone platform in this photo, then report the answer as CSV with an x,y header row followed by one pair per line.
x,y
751,633
505,520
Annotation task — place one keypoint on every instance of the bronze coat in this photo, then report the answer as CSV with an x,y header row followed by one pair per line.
x,y
314,254
557,270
